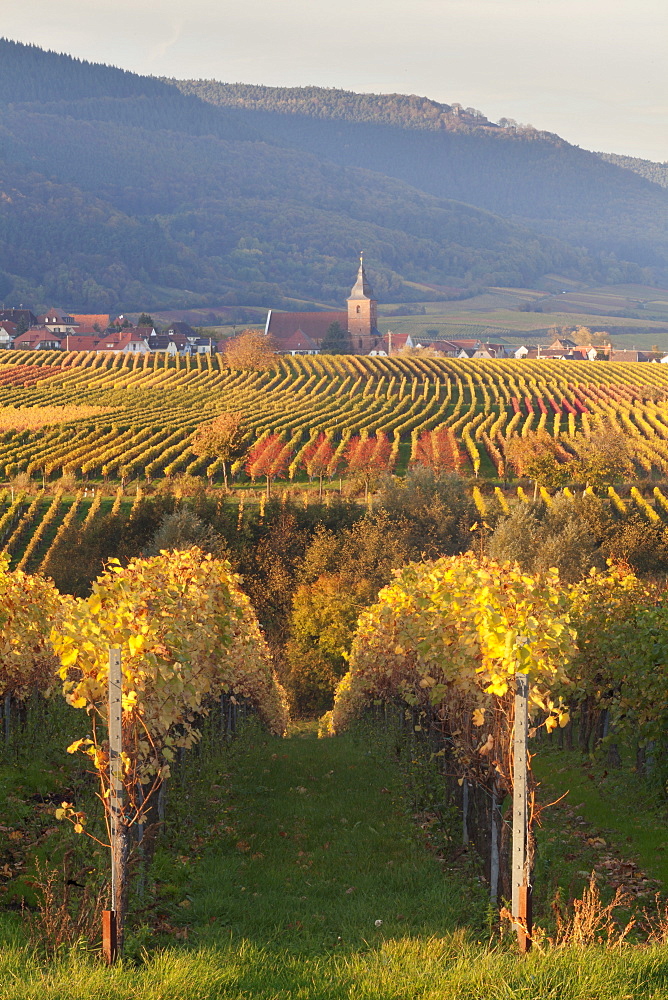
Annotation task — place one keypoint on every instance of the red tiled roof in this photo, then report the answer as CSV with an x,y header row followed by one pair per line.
x,y
90,319
50,314
299,341
314,324
438,346
35,335
79,342
118,341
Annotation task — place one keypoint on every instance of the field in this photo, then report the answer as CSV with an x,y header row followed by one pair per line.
x,y
633,315
148,408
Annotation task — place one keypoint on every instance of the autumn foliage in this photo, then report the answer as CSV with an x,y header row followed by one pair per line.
x,y
459,625
28,607
251,350
220,439
269,457
368,457
448,637
319,458
186,633
438,450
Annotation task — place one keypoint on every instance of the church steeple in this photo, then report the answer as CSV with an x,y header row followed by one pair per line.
x,y
361,289
362,313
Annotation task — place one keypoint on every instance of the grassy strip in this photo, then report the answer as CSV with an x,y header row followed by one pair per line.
x,y
282,858
444,968
612,801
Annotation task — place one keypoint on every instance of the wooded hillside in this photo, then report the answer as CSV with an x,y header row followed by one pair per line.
x,y
121,192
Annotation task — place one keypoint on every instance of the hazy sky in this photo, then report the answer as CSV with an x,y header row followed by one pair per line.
x,y
595,71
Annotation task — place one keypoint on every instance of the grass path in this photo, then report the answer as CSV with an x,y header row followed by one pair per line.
x,y
299,875
323,855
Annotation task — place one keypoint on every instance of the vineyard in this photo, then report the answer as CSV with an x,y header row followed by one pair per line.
x,y
126,417
149,679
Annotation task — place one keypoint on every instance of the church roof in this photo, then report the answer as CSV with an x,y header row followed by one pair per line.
x,y
361,289
281,325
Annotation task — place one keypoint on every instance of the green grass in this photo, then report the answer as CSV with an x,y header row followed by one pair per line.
x,y
614,802
282,857
444,967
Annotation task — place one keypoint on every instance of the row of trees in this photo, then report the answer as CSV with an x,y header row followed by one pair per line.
x,y
449,640
364,457
602,457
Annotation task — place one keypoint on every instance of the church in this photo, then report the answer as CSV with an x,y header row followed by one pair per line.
x,y
303,332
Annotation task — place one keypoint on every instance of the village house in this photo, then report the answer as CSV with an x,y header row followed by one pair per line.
x,y
170,343
629,355
7,333
37,338
56,321
203,345
297,343
95,321
124,341
22,317
392,343
80,342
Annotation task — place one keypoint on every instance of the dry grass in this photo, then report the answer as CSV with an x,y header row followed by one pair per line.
x,y
69,911
591,921
30,418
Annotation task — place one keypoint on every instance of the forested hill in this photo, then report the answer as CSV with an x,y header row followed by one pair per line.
x,y
533,177
657,173
119,191
60,85
402,110
122,192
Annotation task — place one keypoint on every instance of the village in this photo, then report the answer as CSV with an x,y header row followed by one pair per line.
x,y
350,331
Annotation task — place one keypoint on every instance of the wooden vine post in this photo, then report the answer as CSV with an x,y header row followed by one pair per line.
x,y
521,901
112,920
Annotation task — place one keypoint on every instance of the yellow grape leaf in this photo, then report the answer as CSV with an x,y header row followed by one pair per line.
x,y
69,657
78,828
95,603
550,723
564,719
478,717
136,643
73,747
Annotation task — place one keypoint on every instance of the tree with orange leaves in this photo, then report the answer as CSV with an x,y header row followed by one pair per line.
x,y
438,450
318,458
368,457
269,457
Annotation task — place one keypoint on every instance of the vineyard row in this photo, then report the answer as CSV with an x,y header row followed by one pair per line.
x,y
150,406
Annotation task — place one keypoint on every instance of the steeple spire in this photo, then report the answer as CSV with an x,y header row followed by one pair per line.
x,y
361,289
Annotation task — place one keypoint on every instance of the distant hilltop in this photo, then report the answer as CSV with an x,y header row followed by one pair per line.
x,y
120,192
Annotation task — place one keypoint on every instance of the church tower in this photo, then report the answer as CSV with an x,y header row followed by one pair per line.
x,y
362,314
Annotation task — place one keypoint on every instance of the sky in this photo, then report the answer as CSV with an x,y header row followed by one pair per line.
x,y
594,71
